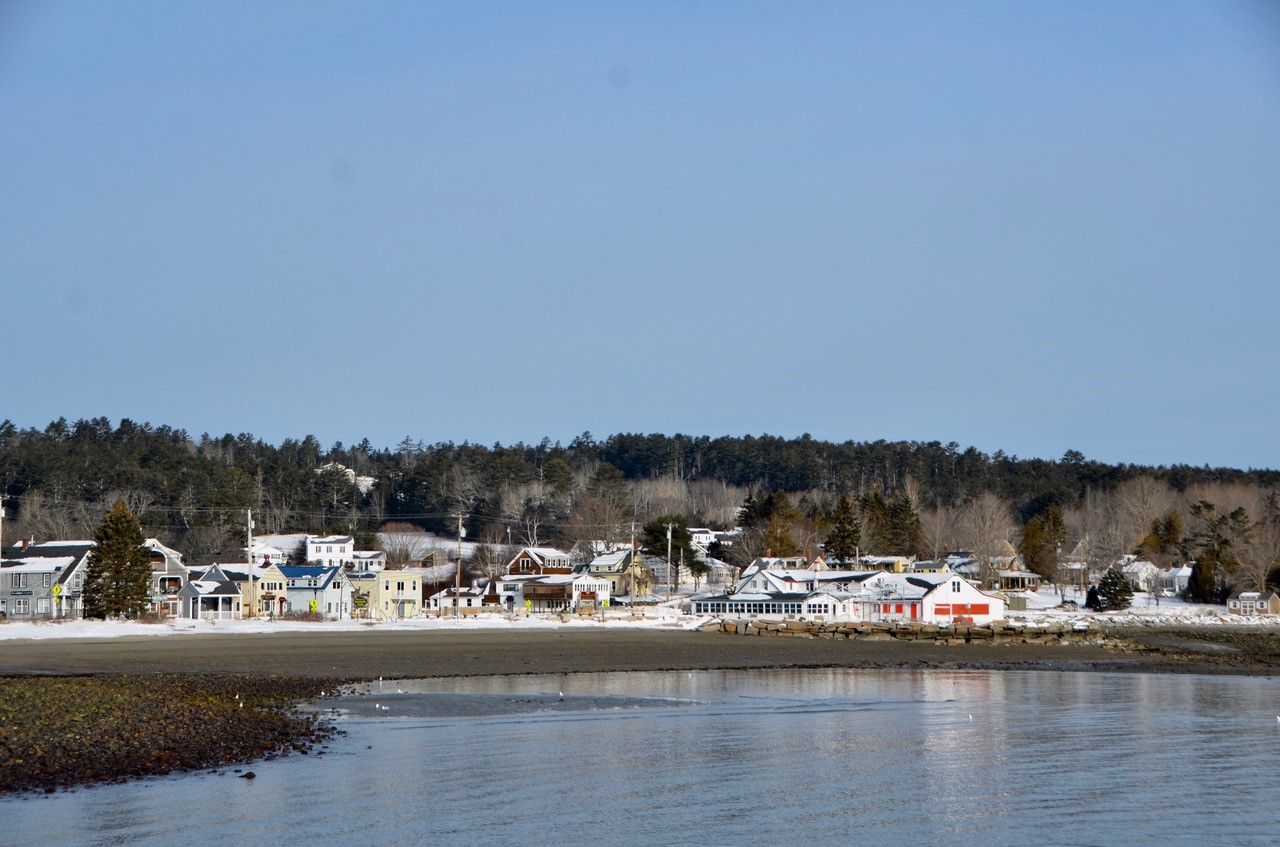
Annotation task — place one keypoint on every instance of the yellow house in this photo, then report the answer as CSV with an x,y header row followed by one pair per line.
x,y
388,594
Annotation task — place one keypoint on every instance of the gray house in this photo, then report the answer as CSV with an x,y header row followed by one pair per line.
x,y
43,580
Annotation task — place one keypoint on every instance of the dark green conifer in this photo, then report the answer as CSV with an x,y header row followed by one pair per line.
x,y
1114,591
118,581
846,533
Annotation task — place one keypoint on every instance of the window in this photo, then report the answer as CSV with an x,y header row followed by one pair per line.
x,y
400,587
21,606
955,585
46,579
42,606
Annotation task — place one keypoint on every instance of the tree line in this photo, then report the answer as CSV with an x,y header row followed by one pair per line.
x,y
789,495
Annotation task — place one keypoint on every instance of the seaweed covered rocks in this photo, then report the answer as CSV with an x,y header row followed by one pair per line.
x,y
58,732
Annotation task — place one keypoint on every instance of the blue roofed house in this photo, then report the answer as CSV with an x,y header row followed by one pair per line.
x,y
311,588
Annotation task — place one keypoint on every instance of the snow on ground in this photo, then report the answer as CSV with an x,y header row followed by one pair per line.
x,y
664,618
1147,610
1042,611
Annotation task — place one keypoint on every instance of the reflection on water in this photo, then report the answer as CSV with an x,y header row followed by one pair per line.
x,y
733,757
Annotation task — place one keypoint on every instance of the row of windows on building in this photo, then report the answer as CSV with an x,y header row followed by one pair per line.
x,y
22,606
19,580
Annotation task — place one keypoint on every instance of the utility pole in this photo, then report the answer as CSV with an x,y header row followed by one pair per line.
x,y
457,587
631,594
669,527
249,557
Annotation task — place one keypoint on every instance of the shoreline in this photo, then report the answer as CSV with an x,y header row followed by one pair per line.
x,y
286,669
479,652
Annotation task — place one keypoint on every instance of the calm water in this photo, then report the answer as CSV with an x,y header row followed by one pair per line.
x,y
734,758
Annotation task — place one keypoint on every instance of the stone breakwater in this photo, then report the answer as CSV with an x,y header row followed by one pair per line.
x,y
998,632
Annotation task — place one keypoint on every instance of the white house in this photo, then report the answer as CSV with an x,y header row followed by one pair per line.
x,y
331,550
1142,576
266,554
856,596
1174,581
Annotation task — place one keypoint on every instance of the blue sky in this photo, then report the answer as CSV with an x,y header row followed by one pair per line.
x,y
1023,226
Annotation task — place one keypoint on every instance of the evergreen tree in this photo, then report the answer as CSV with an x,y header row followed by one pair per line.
x,y
1042,539
118,581
1114,591
907,533
1207,583
846,533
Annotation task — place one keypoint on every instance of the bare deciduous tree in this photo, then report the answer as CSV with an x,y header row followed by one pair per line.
x,y
404,543
986,524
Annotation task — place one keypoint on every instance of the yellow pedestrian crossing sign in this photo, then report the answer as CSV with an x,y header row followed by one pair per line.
x,y
57,589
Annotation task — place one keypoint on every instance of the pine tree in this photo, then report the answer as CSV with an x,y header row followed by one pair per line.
x,y
118,581
846,534
1114,591
1207,584
907,532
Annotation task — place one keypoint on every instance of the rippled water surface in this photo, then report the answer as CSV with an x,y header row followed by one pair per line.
x,y
737,757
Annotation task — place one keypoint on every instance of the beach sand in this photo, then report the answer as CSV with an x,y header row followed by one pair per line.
x,y
435,653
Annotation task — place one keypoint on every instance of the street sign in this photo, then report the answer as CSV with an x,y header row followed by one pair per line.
x,y
313,605
56,590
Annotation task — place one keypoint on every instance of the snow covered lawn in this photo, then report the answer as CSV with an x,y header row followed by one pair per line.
x,y
118,629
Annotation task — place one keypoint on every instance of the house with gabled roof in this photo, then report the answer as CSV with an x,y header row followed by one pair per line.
x,y
855,596
389,594
210,594
1253,603
625,571
46,579
315,588
168,575
259,597
577,591
540,560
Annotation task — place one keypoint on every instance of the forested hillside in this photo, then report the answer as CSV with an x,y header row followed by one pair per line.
x,y
193,491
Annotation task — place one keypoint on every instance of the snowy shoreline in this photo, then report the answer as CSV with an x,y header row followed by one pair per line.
x,y
1165,615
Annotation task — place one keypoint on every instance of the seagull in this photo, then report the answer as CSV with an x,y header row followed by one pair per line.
x,y
971,718
562,700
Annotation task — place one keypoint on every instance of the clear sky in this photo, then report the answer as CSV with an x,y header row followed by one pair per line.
x,y
1023,226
